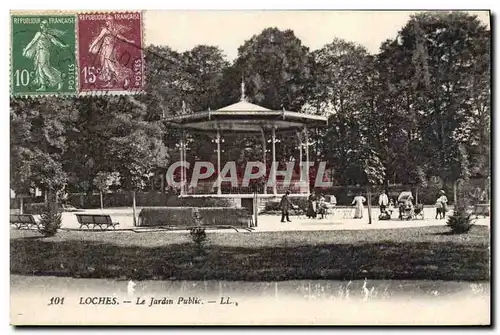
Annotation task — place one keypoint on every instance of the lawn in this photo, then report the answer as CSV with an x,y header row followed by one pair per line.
x,y
412,253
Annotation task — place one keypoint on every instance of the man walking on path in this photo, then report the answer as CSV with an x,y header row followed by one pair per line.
x,y
383,201
285,205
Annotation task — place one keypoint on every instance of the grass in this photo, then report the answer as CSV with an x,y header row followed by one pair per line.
x,y
412,253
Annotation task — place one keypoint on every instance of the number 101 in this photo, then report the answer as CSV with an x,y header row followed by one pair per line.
x,y
56,301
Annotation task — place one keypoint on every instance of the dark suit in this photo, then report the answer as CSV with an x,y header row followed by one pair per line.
x,y
285,205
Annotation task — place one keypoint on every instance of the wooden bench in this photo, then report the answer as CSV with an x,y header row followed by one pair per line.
x,y
96,220
481,209
23,221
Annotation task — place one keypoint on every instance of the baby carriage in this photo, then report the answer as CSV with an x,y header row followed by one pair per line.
x,y
298,212
406,209
418,211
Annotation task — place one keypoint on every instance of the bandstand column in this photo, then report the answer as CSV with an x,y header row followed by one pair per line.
x,y
182,161
307,159
264,148
300,154
274,160
219,191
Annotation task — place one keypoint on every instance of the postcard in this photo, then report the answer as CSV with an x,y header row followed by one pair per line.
x,y
250,167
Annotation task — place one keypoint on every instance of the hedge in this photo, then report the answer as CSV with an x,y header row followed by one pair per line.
x,y
34,208
145,199
274,205
185,216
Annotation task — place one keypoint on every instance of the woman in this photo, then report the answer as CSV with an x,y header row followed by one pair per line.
x,y
358,206
321,206
441,205
104,46
39,50
311,206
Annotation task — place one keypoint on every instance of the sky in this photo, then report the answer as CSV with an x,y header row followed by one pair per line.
x,y
182,30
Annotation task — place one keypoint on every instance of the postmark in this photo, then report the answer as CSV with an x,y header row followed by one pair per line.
x,y
43,58
110,52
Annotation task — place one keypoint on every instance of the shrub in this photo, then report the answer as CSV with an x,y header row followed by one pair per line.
x,y
50,222
461,221
198,234
199,237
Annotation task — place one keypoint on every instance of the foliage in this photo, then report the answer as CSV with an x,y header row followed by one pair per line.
x,y
197,233
419,108
461,221
199,237
275,66
50,221
37,143
104,180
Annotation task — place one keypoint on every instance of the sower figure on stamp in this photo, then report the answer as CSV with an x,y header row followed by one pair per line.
x,y
104,46
39,50
285,205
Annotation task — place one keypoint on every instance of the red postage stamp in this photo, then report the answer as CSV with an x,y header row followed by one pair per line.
x,y
110,52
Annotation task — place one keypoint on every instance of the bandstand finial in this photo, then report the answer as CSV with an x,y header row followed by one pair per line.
x,y
242,98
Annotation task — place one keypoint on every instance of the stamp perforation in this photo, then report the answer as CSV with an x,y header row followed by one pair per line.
x,y
38,49
78,92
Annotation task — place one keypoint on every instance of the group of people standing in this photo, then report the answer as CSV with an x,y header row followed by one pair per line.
x,y
383,200
317,205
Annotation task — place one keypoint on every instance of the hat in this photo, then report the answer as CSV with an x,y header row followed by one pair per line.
x,y
442,192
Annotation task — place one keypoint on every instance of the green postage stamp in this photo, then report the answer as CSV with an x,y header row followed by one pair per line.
x,y
43,55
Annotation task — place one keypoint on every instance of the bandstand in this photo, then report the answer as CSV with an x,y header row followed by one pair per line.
x,y
245,118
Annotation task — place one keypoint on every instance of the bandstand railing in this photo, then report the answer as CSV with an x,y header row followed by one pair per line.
x,y
208,188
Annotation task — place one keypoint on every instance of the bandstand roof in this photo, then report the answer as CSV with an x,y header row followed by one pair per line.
x,y
244,116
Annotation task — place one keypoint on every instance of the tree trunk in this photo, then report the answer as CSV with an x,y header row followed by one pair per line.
x,y
416,195
455,193
21,204
162,176
133,208
102,204
369,205
255,209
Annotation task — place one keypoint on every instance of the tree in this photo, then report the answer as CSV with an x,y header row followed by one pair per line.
x,y
103,181
342,89
37,143
204,66
275,66
445,48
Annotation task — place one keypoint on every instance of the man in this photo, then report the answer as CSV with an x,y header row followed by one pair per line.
x,y
383,201
285,205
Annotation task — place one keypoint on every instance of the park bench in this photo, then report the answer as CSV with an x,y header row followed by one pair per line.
x,y
96,220
23,221
481,209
